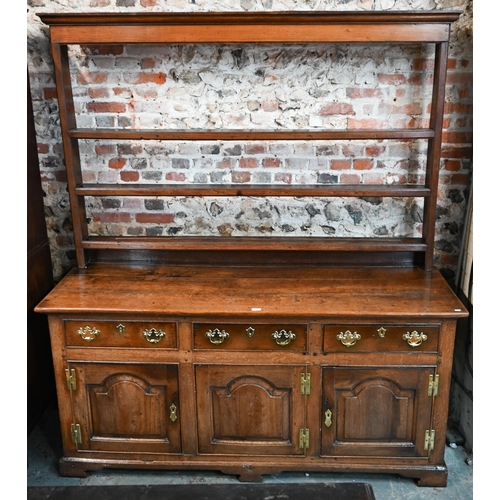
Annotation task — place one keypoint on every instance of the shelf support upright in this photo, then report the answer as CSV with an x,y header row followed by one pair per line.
x,y
70,147
434,150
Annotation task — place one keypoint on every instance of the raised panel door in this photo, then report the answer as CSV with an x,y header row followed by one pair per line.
x,y
127,407
256,410
381,411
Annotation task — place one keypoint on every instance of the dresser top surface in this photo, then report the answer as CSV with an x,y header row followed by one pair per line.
x,y
308,292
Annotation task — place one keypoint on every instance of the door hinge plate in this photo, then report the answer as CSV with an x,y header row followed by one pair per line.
x,y
76,433
304,439
433,385
71,379
429,440
305,383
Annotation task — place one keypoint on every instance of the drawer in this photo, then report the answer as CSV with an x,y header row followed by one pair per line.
x,y
380,337
250,337
142,334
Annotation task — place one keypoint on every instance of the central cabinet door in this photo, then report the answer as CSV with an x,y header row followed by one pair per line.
x,y
250,410
127,407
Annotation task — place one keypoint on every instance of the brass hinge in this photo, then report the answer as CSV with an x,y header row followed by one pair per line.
x,y
304,439
71,379
76,433
305,383
433,385
429,440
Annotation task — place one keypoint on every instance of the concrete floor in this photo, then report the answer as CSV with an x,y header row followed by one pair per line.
x,y
44,450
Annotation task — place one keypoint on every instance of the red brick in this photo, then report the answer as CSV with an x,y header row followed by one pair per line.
x,y
340,165
99,93
158,78
271,162
255,149
112,217
117,163
148,63
457,137
42,148
248,163
336,108
371,123
457,78
352,150
421,64
129,176
373,178
239,177
350,179
176,176
106,107
453,165
88,78
363,93
457,107
460,179
375,150
105,149
362,164
456,152
154,218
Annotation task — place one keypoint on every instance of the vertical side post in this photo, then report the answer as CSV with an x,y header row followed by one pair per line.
x,y
434,150
70,146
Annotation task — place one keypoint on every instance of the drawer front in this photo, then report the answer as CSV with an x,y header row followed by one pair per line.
x,y
379,337
250,337
140,334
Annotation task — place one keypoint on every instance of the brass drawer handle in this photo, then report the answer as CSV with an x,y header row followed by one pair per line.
x,y
216,336
414,338
153,336
283,337
88,334
348,338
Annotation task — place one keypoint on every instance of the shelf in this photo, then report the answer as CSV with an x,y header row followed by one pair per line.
x,y
248,135
254,243
355,190
379,27
251,27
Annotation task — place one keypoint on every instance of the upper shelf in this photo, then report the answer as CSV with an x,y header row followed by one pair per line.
x,y
251,27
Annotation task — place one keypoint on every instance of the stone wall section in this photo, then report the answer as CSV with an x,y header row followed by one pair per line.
x,y
254,86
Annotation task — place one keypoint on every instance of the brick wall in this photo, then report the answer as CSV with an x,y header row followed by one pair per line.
x,y
265,86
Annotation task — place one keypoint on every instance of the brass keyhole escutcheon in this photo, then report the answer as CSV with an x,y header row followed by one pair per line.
x,y
173,412
348,338
216,336
153,336
283,337
250,331
87,333
414,338
328,418
120,328
381,332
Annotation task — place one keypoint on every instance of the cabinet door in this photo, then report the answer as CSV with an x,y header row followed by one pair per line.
x,y
250,409
381,412
127,407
